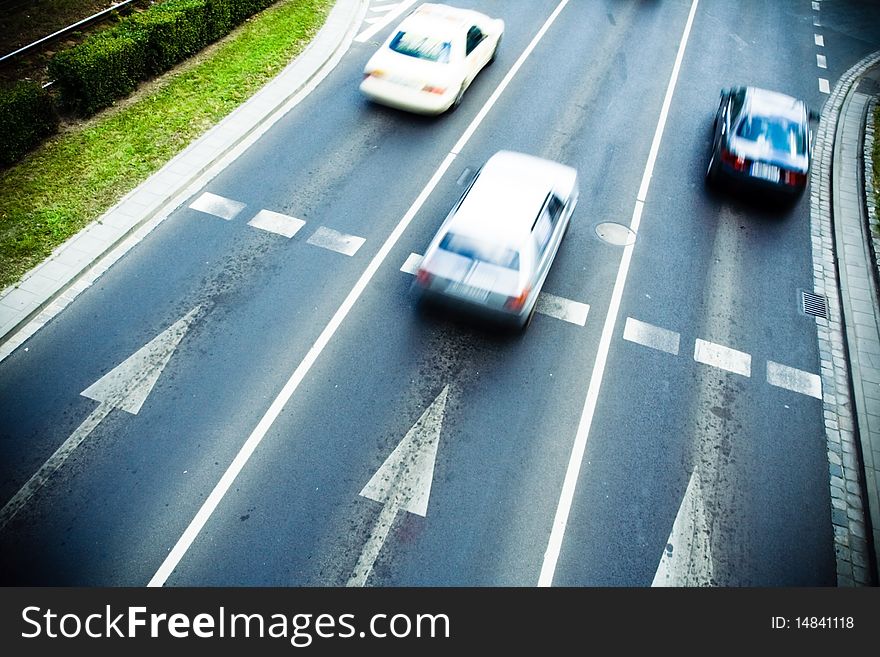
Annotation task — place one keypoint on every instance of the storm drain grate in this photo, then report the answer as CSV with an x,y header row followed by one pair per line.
x,y
814,304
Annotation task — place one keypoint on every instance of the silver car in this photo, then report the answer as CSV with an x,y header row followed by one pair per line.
x,y
495,247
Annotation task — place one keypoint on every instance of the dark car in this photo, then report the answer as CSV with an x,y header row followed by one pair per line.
x,y
763,139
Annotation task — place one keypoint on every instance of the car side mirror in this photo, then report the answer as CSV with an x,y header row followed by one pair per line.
x,y
814,115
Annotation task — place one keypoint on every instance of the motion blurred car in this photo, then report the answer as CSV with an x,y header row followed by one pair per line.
x,y
428,62
762,138
493,251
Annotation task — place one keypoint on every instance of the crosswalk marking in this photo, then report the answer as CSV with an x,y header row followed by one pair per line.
x,y
794,379
327,238
574,312
275,222
722,357
651,336
219,206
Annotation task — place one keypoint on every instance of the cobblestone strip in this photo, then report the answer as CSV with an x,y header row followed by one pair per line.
x,y
847,507
870,192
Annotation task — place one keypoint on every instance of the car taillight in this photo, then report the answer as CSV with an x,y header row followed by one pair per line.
x,y
517,303
431,89
424,277
737,162
794,178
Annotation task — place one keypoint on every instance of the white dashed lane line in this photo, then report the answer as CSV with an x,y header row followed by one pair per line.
x,y
411,265
573,312
275,222
278,223
219,206
794,379
327,238
651,336
725,358
722,357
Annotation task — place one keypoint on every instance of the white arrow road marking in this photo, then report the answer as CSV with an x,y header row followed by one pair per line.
x,y
687,559
126,386
216,495
572,473
403,482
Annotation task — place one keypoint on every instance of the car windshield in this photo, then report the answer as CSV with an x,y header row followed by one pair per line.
x,y
421,47
480,250
778,134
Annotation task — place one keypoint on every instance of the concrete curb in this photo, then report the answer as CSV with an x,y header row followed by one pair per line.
x,y
50,286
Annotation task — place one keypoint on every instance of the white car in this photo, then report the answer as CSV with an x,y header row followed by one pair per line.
x,y
427,63
493,251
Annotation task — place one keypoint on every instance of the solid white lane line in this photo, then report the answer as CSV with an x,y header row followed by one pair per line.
x,y
327,238
819,39
370,31
794,379
824,87
229,476
723,358
564,309
821,61
275,222
219,206
554,544
651,336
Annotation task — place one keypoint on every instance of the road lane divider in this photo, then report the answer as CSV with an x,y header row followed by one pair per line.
x,y
566,496
214,498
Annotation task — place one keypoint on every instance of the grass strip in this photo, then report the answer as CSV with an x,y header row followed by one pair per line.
x,y
77,175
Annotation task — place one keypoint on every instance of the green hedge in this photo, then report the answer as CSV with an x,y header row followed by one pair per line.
x,y
27,116
105,67
110,64
175,30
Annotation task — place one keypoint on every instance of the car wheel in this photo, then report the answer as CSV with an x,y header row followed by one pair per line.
x,y
712,172
495,52
528,320
458,97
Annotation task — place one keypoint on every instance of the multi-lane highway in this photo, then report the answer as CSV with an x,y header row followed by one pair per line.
x,y
298,420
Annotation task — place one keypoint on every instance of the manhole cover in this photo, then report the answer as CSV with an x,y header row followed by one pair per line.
x,y
616,234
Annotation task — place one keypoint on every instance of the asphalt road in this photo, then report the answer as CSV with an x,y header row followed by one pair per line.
x,y
725,466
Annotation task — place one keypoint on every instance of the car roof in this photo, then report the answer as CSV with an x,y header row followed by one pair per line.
x,y
764,102
440,20
507,195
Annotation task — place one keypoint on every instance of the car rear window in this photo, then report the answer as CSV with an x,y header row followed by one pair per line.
x,y
480,250
421,47
780,134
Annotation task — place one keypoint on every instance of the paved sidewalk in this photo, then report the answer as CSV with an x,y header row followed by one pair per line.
x,y
845,272
75,265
